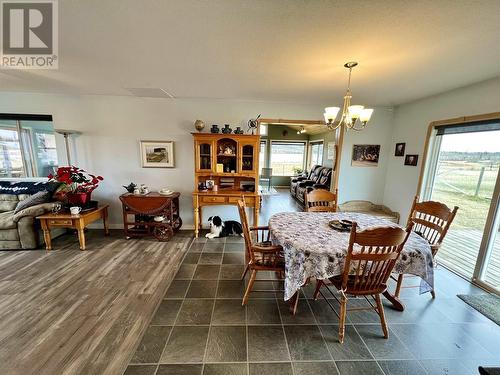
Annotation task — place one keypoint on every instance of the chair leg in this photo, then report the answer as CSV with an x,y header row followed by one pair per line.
x,y
343,311
319,284
381,313
245,272
398,285
249,287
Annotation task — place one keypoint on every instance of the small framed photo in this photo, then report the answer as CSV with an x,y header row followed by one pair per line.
x,y
400,149
210,184
411,160
157,154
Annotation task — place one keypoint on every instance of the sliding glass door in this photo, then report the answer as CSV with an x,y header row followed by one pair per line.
x,y
463,170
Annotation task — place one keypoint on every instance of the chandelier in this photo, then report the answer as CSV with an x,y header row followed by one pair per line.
x,y
353,117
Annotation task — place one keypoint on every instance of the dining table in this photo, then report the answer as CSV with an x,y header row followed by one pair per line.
x,y
313,249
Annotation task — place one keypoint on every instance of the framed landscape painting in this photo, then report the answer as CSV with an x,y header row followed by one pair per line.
x,y
157,154
365,155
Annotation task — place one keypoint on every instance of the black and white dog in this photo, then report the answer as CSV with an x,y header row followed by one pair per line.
x,y
219,228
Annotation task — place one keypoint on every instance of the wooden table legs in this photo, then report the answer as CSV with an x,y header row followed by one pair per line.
x,y
77,222
46,235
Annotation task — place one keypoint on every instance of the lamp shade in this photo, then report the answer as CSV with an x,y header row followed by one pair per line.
x,y
331,113
366,115
355,111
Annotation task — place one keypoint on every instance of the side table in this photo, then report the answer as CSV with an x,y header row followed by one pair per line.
x,y
139,212
78,222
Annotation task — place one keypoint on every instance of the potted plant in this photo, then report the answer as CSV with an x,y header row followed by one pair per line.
x,y
78,184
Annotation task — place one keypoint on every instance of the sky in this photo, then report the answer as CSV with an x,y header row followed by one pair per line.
x,y
472,142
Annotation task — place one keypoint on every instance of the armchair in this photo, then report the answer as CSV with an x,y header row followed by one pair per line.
x,y
318,178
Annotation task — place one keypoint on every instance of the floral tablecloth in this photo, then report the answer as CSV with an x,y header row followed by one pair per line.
x,y
313,249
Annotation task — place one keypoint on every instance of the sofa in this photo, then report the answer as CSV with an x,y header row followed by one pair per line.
x,y
319,177
20,230
370,208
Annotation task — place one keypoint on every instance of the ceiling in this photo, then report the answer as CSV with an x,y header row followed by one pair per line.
x,y
286,51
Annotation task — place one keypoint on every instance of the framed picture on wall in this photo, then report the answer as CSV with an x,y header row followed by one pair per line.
x,y
157,154
365,155
411,160
400,149
331,151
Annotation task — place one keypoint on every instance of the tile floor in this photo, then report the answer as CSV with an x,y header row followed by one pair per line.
x,y
201,328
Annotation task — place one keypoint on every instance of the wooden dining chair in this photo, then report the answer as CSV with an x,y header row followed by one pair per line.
x,y
432,221
262,254
321,200
370,259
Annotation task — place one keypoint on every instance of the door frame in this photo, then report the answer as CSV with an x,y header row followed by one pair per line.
x,y
429,155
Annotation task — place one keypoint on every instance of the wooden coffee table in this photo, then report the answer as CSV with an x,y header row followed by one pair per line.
x,y
78,222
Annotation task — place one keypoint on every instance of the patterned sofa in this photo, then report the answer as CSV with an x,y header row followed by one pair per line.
x,y
19,230
318,178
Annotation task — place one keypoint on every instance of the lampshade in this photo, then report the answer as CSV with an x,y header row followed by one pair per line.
x,y
331,113
355,111
365,115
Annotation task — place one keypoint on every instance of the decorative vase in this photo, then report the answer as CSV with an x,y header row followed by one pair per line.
x,y
227,129
78,199
214,129
238,130
199,125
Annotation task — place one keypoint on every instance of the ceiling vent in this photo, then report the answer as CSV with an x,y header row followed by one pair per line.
x,y
149,92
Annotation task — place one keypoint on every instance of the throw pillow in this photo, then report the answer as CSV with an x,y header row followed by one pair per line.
x,y
33,200
27,187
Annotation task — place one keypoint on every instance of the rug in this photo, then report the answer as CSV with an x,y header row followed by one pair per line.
x,y
486,304
265,191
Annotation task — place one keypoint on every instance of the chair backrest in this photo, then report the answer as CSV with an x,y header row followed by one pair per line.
x,y
266,173
320,200
247,235
313,171
432,220
372,254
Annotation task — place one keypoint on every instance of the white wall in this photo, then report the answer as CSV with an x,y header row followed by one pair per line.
x,y
410,125
366,183
112,126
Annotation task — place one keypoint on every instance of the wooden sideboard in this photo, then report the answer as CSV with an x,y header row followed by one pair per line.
x,y
231,161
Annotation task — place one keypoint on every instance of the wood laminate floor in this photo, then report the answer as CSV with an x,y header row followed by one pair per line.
x,y
81,312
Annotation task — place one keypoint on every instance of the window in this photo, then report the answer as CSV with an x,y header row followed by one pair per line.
x,y
27,146
287,158
463,169
316,152
263,129
262,154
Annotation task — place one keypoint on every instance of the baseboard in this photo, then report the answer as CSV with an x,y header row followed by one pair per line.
x,y
120,226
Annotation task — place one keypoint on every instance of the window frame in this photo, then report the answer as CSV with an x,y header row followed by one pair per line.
x,y
310,154
278,141
28,158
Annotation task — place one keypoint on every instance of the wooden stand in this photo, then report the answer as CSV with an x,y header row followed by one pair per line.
x,y
144,208
230,161
78,222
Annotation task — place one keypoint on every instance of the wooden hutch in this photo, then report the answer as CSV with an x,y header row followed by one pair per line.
x,y
231,161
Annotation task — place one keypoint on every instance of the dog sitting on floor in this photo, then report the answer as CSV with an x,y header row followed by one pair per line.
x,y
219,228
